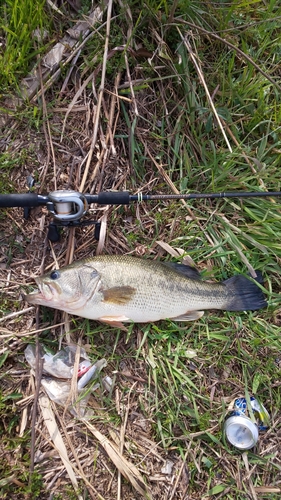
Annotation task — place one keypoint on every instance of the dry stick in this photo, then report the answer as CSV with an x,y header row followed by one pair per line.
x,y
68,260
74,100
201,76
74,61
17,313
23,334
101,90
111,114
48,135
229,44
109,136
131,86
16,223
104,152
38,375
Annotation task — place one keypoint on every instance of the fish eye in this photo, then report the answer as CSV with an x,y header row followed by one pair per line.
x,y
54,275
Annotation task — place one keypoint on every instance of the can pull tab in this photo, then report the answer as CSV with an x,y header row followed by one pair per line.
x,y
67,205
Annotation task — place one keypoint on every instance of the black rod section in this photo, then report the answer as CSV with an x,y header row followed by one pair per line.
x,y
22,200
193,196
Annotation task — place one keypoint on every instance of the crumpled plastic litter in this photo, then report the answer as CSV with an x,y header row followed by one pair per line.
x,y
59,365
58,372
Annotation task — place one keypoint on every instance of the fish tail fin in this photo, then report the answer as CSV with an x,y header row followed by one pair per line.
x,y
244,294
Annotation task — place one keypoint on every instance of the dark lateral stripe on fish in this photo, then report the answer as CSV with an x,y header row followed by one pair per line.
x,y
244,295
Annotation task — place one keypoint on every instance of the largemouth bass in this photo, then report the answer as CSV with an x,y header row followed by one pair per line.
x,y
117,289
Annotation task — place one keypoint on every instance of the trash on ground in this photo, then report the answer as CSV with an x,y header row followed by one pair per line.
x,y
168,467
58,372
107,383
240,430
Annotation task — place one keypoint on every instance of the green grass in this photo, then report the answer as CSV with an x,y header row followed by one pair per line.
x,y
19,19
191,371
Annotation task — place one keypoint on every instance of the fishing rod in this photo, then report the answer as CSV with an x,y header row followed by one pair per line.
x,y
68,207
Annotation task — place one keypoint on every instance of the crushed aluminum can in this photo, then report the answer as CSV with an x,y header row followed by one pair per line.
x,y
260,413
239,429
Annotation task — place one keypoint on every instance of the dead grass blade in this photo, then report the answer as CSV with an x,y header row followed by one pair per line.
x,y
172,251
202,79
102,236
100,97
266,489
17,313
51,424
127,469
168,180
229,44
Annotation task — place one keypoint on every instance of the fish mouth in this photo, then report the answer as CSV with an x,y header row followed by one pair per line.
x,y
46,292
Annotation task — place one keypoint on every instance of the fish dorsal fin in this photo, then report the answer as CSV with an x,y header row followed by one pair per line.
x,y
188,271
189,316
118,294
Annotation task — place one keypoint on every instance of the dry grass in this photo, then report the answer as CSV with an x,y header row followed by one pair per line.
x,y
130,117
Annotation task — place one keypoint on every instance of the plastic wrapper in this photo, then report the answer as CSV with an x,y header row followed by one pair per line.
x,y
59,365
58,372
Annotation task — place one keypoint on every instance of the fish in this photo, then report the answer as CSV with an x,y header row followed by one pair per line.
x,y
117,289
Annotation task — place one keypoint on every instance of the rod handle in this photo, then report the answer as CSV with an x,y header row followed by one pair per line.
x,y
111,198
22,200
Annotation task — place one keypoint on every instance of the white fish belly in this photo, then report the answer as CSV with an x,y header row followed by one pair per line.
x,y
141,309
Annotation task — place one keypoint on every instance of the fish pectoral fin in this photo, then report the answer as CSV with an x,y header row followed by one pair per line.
x,y
189,316
118,294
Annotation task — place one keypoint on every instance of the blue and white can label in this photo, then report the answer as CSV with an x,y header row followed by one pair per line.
x,y
260,413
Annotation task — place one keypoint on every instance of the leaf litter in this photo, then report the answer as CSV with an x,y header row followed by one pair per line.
x,y
106,140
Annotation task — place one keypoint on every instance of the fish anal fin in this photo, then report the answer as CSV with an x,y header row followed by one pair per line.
x,y
189,316
115,321
119,294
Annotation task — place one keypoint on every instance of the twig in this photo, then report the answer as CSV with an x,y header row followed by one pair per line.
x,y
38,375
101,90
17,313
48,135
68,260
23,334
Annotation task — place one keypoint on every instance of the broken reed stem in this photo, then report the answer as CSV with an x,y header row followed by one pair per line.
x,y
202,79
100,98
